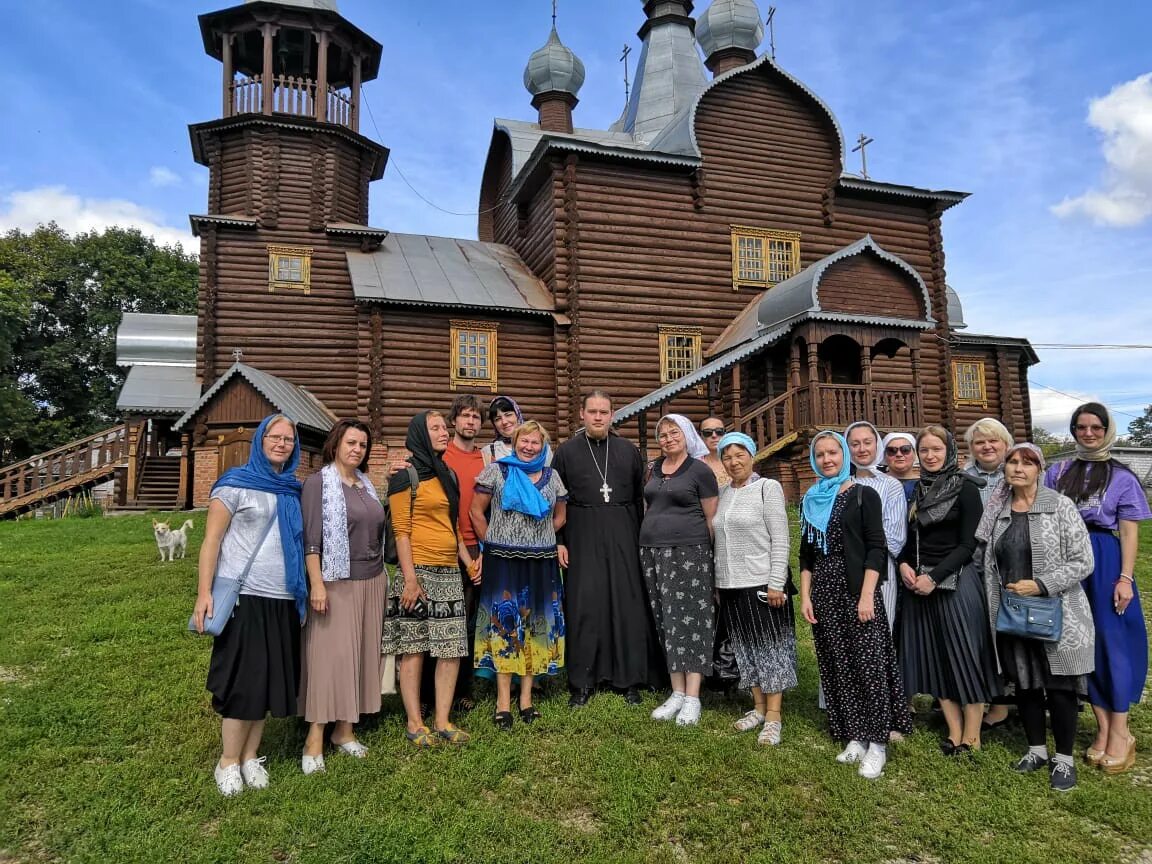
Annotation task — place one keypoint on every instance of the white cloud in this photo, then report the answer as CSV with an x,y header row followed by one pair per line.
x,y
161,176
1124,117
1051,411
29,208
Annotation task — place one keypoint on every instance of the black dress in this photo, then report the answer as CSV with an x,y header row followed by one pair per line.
x,y
1024,662
857,661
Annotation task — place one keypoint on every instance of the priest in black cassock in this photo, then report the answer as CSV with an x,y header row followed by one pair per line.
x,y
610,637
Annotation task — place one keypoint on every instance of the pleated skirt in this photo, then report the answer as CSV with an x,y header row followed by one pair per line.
x,y
945,643
763,639
342,661
255,665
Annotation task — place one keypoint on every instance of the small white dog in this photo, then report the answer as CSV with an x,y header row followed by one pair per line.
x,y
174,543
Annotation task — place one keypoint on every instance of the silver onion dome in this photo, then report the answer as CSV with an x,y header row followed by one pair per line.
x,y
730,24
553,68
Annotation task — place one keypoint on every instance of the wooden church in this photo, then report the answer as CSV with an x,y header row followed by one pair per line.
x,y
708,253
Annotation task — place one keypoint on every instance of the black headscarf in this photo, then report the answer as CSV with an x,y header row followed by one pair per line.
x,y
937,491
428,464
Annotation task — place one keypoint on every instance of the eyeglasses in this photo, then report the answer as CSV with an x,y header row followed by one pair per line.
x,y
1096,429
902,450
287,440
712,433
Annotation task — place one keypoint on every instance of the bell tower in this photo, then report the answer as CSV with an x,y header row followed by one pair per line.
x,y
288,184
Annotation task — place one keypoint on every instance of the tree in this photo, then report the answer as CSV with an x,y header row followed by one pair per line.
x,y
1051,444
1140,429
61,300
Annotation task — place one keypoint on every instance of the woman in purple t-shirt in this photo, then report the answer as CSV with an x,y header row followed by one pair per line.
x,y
1111,502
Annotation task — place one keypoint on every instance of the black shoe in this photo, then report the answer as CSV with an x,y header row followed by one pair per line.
x,y
632,696
529,715
1031,762
502,720
947,747
579,698
1062,777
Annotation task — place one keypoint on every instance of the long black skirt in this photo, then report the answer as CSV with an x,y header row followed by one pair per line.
x,y
255,666
945,643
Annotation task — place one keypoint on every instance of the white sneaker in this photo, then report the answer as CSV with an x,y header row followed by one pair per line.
x,y
749,721
228,780
312,764
689,714
254,773
872,765
670,708
851,754
770,734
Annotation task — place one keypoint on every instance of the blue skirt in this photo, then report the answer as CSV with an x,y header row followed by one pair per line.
x,y
1121,640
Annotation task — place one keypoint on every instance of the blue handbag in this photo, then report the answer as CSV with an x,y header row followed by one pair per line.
x,y
1039,618
226,592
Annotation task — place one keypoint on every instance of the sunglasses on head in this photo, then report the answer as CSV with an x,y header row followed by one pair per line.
x,y
903,450
712,433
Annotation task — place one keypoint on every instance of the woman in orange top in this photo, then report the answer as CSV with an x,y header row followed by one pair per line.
x,y
426,604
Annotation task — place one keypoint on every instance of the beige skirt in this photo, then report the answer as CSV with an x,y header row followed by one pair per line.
x,y
342,663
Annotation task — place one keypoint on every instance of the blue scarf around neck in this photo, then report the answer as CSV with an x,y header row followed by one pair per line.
x,y
258,474
520,493
816,509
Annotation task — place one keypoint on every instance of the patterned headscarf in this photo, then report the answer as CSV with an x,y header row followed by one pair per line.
x,y
1103,451
937,491
816,508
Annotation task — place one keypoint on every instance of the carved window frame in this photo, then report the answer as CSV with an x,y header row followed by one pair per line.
x,y
478,334
969,381
672,348
286,256
774,247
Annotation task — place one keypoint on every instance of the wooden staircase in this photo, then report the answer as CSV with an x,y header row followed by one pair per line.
x,y
159,484
63,472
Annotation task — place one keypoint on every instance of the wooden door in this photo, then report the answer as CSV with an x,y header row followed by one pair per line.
x,y
233,449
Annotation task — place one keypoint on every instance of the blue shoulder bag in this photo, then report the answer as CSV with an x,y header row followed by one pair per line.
x,y
226,592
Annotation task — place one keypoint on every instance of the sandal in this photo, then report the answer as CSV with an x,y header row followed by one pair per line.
x,y
530,714
502,720
1093,756
353,748
1112,765
421,738
453,735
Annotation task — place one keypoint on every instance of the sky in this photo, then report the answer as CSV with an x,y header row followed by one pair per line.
x,y
1042,109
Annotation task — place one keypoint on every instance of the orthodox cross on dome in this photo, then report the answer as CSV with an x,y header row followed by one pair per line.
x,y
627,86
553,14
237,354
771,31
862,142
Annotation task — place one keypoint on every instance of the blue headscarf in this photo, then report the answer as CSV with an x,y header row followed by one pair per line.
x,y
520,493
258,474
741,440
816,509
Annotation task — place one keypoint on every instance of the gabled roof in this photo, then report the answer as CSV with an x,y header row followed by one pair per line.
x,y
294,402
798,297
443,271
158,390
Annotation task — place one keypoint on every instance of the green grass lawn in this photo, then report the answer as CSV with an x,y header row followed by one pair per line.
x,y
107,740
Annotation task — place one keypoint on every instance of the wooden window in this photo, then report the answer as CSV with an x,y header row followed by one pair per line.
x,y
968,384
473,354
762,258
290,267
679,352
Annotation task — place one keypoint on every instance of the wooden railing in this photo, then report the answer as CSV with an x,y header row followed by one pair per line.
x,y
52,474
292,95
829,406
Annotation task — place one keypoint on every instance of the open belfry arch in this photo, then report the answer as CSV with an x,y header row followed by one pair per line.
x,y
707,253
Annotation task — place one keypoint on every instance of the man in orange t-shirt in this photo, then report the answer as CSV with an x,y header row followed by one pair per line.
x,y
464,457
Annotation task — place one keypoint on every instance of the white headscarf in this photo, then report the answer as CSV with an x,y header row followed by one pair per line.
x,y
878,456
895,436
697,449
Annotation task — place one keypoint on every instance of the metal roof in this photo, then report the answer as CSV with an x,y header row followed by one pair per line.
x,y
669,78
292,401
156,340
798,296
444,271
354,229
730,24
231,221
524,137
947,196
980,339
324,5
553,68
955,309
158,390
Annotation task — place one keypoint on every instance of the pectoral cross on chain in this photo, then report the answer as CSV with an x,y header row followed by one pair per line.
x,y
606,491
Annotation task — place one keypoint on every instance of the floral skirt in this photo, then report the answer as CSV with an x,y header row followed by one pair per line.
x,y
520,619
679,581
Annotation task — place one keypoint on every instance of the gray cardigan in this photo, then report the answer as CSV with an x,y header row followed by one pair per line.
x,y
1061,557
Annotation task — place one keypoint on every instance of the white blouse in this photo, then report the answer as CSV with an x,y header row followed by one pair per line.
x,y
752,540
